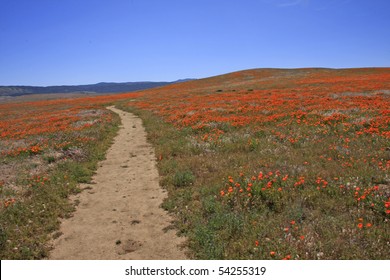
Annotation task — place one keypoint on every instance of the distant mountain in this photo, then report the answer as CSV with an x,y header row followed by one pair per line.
x,y
183,80
93,88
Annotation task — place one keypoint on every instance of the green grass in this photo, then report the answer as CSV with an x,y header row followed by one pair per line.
x,y
312,220
308,181
27,225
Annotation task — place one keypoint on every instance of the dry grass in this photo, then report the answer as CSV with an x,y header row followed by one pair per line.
x,y
42,162
259,164
279,167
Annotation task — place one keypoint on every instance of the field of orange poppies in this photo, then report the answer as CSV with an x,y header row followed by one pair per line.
x,y
46,149
258,164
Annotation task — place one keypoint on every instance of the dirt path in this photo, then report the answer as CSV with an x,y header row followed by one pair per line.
x,y
119,215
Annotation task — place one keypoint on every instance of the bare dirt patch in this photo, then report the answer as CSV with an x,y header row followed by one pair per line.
x,y
119,215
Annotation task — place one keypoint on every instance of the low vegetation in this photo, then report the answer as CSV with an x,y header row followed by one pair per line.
x,y
286,164
47,149
259,164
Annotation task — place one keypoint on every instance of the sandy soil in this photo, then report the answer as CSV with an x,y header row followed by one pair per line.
x,y
119,216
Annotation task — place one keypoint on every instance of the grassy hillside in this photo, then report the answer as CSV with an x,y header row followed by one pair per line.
x,y
275,164
259,164
46,149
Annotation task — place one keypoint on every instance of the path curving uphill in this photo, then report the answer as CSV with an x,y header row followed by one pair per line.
x,y
119,215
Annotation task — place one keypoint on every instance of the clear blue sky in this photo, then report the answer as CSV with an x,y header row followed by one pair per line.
x,y
59,42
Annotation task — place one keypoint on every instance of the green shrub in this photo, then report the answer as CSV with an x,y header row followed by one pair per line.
x,y
183,178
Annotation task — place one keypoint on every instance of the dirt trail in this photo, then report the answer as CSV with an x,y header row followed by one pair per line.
x,y
119,214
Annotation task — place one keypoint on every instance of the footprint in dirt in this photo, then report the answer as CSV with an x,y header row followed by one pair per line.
x,y
128,246
135,222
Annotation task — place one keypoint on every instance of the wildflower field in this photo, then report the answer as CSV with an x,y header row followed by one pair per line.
x,y
46,149
258,164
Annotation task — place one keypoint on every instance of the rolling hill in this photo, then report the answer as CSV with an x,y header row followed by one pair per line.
x,y
91,88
